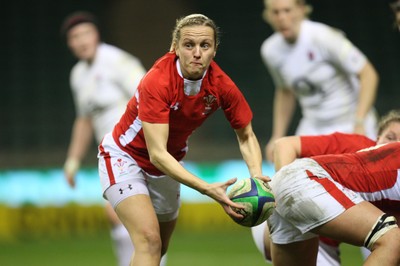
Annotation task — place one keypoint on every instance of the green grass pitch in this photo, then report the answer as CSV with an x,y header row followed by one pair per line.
x,y
194,248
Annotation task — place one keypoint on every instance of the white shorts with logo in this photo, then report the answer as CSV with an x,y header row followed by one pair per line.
x,y
306,197
121,177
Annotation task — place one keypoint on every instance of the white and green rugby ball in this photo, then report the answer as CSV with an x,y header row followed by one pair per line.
x,y
257,198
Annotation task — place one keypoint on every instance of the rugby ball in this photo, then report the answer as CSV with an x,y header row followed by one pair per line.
x,y
257,198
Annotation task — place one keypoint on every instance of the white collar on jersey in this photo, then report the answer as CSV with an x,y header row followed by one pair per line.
x,y
191,87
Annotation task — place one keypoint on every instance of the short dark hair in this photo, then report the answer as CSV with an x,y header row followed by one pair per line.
x,y
76,18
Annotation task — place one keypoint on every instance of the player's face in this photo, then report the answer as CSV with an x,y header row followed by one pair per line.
x,y
83,39
196,48
390,134
285,17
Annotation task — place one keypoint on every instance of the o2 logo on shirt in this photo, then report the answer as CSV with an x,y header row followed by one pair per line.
x,y
304,87
208,102
311,95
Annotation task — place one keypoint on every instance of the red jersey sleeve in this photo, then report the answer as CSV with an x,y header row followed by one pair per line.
x,y
155,93
153,106
236,109
334,143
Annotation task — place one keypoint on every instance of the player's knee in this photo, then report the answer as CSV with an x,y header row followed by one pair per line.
x,y
383,226
150,241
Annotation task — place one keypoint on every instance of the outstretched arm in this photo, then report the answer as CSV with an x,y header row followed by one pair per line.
x,y
284,106
251,152
156,140
367,95
82,136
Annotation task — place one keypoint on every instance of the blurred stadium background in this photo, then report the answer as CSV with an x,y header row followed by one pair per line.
x,y
39,213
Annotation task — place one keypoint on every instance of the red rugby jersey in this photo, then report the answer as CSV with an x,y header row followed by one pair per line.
x,y
372,171
160,98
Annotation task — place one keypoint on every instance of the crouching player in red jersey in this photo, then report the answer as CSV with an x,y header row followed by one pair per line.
x,y
388,131
330,194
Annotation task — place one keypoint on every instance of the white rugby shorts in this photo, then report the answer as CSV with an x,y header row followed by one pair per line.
x,y
121,177
306,197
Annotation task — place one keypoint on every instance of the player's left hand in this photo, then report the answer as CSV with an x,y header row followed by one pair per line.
x,y
217,191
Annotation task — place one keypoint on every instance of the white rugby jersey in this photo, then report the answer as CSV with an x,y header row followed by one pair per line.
x,y
321,68
101,90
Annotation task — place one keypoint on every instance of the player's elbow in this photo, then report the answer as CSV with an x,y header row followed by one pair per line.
x,y
154,159
286,150
279,144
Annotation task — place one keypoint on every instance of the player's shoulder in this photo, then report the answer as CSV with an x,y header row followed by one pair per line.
x,y
218,77
78,69
322,33
164,64
162,72
340,134
111,53
354,138
272,45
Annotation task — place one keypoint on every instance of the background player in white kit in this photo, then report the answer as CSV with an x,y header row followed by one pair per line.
x,y
313,63
319,67
102,82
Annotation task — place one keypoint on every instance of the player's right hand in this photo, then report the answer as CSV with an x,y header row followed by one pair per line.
x,y
217,191
70,178
71,167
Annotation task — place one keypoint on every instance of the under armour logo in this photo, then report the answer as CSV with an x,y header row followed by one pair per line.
x,y
121,191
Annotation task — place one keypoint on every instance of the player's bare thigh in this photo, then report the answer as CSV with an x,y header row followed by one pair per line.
x,y
291,254
136,220
353,225
137,214
365,221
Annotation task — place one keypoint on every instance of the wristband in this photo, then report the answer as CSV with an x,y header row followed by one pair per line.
x,y
71,165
